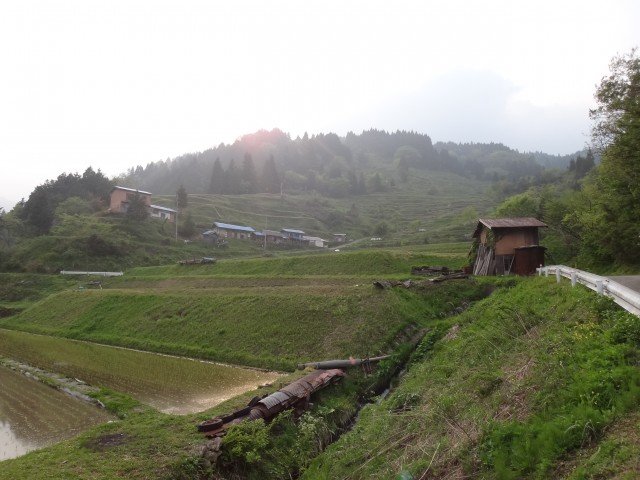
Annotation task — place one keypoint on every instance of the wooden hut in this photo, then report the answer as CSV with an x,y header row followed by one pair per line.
x,y
506,246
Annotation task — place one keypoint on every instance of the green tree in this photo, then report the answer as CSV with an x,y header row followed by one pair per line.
x,y
183,198
376,183
270,178
616,135
188,227
38,211
249,175
216,183
138,209
232,179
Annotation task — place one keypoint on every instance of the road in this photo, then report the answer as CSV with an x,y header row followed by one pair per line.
x,y
629,281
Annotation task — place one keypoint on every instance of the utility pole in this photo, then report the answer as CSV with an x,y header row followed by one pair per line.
x,y
176,217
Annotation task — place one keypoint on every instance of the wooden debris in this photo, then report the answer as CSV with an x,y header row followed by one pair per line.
x,y
452,276
197,261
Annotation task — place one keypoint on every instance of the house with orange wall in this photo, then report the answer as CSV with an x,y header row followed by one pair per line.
x,y
121,198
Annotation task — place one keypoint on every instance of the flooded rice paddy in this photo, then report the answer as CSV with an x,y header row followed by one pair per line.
x,y
170,384
33,415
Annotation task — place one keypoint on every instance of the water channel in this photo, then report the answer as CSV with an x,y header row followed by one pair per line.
x,y
170,384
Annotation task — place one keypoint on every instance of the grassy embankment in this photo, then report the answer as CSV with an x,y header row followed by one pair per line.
x,y
272,312
536,381
539,381
269,313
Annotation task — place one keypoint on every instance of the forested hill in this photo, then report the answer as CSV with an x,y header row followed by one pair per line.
x,y
267,161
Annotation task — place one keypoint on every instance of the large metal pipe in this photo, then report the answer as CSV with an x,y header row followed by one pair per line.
x,y
352,362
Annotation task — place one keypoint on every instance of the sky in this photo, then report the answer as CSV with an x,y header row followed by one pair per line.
x,y
115,84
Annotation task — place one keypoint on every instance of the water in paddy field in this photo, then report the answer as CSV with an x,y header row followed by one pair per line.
x,y
170,384
33,415
30,418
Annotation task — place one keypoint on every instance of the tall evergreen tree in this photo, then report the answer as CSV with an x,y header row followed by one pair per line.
x,y
183,198
249,175
216,184
232,179
137,210
270,177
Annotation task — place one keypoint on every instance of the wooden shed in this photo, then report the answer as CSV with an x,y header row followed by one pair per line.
x,y
507,245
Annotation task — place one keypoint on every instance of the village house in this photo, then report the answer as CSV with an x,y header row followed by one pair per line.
x,y
271,236
292,235
503,246
315,241
339,237
121,198
227,230
164,213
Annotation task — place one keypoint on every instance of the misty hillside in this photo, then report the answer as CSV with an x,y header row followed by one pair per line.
x,y
268,161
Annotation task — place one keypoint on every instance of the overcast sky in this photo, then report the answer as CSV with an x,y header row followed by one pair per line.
x,y
115,84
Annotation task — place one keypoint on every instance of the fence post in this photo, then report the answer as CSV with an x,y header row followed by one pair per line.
x,y
546,271
574,278
558,275
599,287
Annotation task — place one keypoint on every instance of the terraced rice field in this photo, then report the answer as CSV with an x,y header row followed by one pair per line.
x,y
170,384
33,415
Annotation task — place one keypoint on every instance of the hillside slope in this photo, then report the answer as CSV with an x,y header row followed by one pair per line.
x,y
539,381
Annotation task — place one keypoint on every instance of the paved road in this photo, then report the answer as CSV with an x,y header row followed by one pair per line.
x,y
630,281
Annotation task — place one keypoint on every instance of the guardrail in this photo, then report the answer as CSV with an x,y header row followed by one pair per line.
x,y
83,272
623,296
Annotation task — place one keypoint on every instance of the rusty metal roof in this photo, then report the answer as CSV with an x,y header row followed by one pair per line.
x,y
274,399
517,222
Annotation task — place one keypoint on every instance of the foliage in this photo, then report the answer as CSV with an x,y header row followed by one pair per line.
x,y
511,391
616,134
188,227
39,210
182,197
138,209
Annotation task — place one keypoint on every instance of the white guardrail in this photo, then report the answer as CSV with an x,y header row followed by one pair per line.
x,y
623,296
83,272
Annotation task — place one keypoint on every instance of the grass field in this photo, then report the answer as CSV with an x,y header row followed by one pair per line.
x,y
537,380
269,313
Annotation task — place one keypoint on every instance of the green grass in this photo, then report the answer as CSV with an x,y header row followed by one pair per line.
x,y
526,383
525,379
274,329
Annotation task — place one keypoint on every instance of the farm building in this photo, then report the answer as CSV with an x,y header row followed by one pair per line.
x,y
227,230
315,241
339,237
121,198
271,236
292,235
504,246
163,213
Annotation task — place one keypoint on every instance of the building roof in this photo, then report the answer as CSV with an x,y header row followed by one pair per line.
x,y
273,233
164,209
131,190
291,230
229,226
313,239
517,222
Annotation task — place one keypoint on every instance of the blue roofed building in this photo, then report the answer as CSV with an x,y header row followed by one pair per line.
x,y
227,230
293,235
